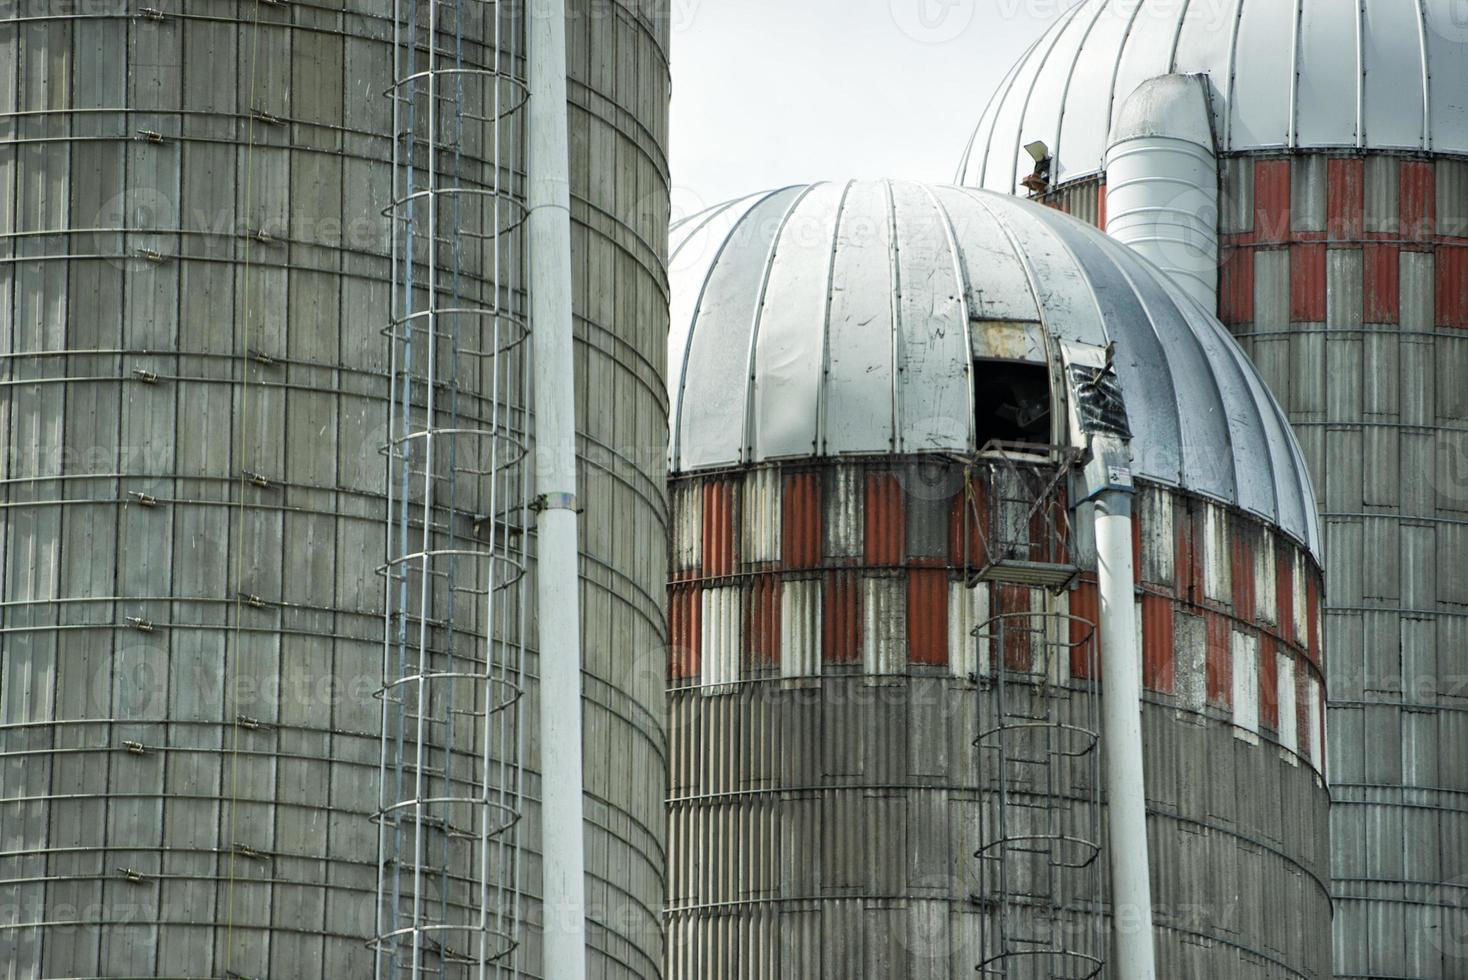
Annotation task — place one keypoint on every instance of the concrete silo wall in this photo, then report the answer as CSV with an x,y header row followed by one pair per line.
x,y
194,284
1346,279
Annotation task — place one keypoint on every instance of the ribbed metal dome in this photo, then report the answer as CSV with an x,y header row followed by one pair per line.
x,y
839,319
1368,74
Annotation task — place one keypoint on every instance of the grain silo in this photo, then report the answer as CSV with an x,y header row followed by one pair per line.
x,y
901,422
263,505
1309,162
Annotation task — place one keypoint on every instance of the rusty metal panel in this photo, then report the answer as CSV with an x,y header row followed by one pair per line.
x,y
721,643
885,525
1382,299
762,627
1159,663
1418,197
884,624
1307,282
718,528
841,618
1220,661
800,628
1272,201
927,616
1236,286
1017,651
844,508
1243,548
685,606
1452,286
800,532
1345,199
1085,604
760,513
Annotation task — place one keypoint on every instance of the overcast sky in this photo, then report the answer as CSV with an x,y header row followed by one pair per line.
x,y
773,92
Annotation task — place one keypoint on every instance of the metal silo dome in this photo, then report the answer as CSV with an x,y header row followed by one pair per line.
x,y
947,469
1336,74
910,287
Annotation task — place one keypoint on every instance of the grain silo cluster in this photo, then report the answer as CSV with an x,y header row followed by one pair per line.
x,y
418,559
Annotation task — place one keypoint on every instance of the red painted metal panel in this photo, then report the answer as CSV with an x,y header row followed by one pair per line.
x,y
1159,670
964,522
1189,563
1307,283
1272,201
1382,292
1219,665
800,540
762,621
841,618
1284,592
1242,544
1236,286
683,622
1018,630
1085,603
1452,286
718,528
1312,618
1418,201
885,524
927,616
1268,683
1345,201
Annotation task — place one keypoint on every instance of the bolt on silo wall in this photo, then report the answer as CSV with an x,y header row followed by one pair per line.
x,y
192,503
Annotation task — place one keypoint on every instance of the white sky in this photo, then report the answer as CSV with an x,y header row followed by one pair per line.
x,y
774,92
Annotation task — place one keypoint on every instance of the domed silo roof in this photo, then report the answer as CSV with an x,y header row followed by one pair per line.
x,y
1351,74
846,319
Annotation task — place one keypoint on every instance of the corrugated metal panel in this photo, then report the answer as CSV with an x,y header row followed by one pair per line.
x,y
1301,631
927,616
1189,562
800,628
1190,654
721,643
1382,298
1287,712
1383,193
1085,604
759,527
1158,536
1419,200
1284,592
1316,722
1018,631
841,618
967,609
1272,201
1245,673
718,528
886,522
967,537
1345,199
1268,683
1220,661
1266,583
1312,619
801,521
762,628
1217,555
1236,286
1452,286
1307,282
1158,657
844,506
1309,193
685,606
884,625
1243,571
687,526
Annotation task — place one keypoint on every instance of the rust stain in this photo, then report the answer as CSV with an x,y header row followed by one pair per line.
x,y
927,616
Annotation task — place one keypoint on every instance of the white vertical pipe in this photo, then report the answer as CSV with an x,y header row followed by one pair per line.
x,y
557,586
1121,710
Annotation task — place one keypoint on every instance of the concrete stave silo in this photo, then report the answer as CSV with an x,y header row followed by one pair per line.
x,y
196,306
827,798
1342,172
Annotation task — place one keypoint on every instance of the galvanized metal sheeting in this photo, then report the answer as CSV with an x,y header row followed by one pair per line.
x,y
1358,74
837,319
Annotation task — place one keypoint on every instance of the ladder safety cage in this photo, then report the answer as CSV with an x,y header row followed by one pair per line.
x,y
1017,515
450,897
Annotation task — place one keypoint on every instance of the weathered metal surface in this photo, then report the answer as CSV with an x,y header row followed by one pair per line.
x,y
1341,74
899,378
